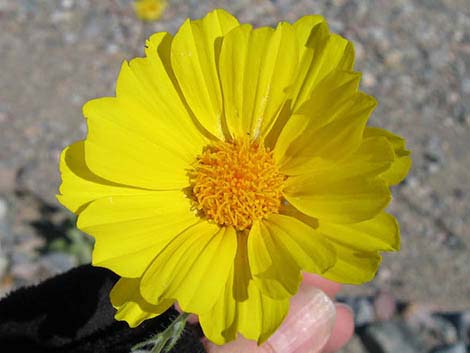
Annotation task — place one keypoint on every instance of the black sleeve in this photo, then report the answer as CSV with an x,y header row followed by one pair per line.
x,y
71,313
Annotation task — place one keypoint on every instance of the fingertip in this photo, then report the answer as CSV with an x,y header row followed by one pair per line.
x,y
343,329
308,325
329,287
306,328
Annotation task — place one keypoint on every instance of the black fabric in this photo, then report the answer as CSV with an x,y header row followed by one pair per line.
x,y
71,313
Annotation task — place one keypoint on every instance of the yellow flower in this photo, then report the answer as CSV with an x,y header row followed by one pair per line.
x,y
230,160
149,10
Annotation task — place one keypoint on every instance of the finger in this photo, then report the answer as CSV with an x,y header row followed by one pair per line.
x,y
329,287
342,330
306,328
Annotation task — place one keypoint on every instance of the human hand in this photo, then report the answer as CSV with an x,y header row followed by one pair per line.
x,y
315,324
46,318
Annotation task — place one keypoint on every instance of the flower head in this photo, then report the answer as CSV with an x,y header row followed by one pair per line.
x,y
149,10
230,160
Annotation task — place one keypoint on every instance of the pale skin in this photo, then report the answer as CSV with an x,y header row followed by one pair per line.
x,y
315,324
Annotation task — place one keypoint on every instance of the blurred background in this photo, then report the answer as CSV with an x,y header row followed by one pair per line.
x,y
415,58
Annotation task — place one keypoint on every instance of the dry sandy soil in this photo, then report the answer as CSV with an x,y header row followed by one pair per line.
x,y
414,55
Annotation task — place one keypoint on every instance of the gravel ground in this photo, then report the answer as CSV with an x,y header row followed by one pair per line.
x,y
415,59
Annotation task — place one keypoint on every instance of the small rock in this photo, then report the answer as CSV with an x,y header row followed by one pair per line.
x,y
458,193
368,79
363,312
57,262
3,265
434,149
461,321
5,237
385,306
363,309
454,348
24,271
434,328
442,329
466,85
3,209
393,58
464,327
7,178
67,4
391,337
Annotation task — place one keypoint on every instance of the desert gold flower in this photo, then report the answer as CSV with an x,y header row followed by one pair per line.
x,y
230,160
149,10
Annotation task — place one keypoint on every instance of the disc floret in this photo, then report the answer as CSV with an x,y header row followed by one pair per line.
x,y
236,183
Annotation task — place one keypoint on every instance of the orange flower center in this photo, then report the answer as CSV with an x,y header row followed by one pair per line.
x,y
236,183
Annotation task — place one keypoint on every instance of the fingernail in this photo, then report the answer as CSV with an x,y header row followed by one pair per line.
x,y
309,323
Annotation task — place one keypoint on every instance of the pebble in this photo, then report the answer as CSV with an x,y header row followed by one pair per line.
x,y
461,320
7,178
364,311
385,306
437,328
4,237
3,265
24,272
57,262
362,307
454,348
465,85
442,329
391,337
3,209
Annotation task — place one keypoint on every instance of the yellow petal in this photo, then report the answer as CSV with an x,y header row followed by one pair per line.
x,y
260,316
130,142
374,156
124,155
149,86
241,307
303,30
381,233
80,186
256,318
219,324
130,231
130,305
274,269
131,137
347,200
325,131
303,243
356,245
193,268
327,98
352,266
194,56
320,54
256,67
402,164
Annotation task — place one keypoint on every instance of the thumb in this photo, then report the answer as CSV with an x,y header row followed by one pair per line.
x,y
306,328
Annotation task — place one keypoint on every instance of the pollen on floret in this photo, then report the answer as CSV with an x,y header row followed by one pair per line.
x,y
236,183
